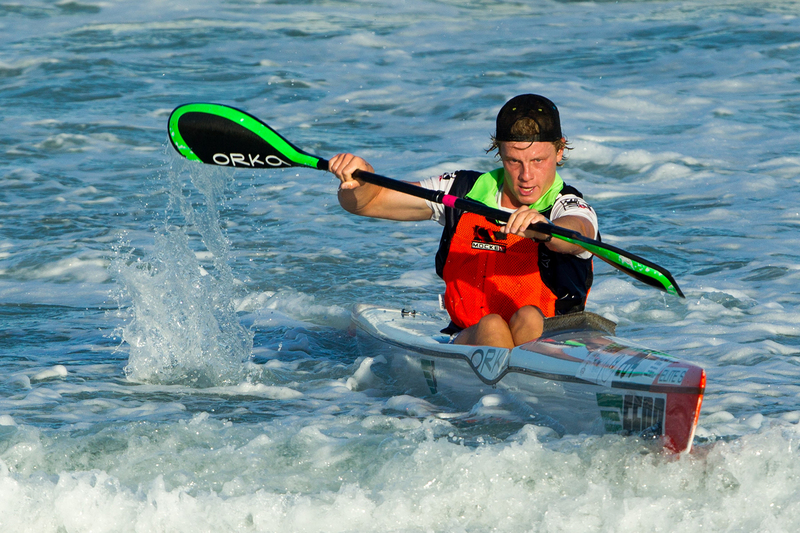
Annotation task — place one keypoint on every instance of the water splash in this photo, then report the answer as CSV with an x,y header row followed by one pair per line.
x,y
182,325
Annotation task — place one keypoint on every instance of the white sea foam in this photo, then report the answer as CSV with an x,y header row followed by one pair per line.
x,y
82,270
436,484
57,371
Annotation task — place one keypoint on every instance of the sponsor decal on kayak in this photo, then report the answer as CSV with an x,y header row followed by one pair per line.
x,y
672,376
249,160
609,365
632,412
428,368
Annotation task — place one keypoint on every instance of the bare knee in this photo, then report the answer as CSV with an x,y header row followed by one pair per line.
x,y
527,314
526,324
492,322
491,330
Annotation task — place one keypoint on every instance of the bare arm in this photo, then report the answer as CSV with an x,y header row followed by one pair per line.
x,y
365,199
579,224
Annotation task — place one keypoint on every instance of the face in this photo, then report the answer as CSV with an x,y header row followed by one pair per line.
x,y
530,170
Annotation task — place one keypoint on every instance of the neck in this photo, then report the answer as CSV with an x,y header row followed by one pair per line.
x,y
508,201
544,202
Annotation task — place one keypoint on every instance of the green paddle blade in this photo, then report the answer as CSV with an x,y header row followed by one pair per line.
x,y
631,264
225,136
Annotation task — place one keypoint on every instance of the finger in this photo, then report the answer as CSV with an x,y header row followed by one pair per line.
x,y
349,184
515,225
334,163
511,225
518,221
341,165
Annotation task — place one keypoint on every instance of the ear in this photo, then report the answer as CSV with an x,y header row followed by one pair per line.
x,y
560,153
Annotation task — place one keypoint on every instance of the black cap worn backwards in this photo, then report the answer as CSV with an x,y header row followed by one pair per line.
x,y
544,124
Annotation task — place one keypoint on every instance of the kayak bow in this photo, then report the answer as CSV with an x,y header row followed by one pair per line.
x,y
577,378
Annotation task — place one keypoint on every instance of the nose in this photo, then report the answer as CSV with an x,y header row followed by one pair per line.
x,y
525,171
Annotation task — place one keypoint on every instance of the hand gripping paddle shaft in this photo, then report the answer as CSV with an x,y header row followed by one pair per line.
x,y
225,136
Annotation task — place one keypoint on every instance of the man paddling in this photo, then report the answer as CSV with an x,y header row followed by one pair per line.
x,y
501,280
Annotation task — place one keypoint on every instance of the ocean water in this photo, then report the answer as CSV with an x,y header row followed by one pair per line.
x,y
174,344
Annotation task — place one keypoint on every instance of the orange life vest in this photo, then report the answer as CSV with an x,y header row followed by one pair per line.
x,y
487,271
490,272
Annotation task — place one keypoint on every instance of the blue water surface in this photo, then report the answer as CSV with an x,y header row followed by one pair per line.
x,y
174,343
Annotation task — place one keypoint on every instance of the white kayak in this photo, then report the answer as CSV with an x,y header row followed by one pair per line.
x,y
578,374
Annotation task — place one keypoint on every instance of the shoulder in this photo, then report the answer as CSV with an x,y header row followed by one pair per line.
x,y
456,183
451,182
570,201
439,183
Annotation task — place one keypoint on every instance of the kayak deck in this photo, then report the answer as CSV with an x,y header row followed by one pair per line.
x,y
578,373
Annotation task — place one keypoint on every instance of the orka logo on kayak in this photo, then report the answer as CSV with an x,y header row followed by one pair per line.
x,y
491,363
249,160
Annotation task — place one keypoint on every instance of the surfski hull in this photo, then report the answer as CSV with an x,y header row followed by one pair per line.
x,y
578,375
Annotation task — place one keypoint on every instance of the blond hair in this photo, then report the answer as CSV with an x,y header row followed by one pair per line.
x,y
527,127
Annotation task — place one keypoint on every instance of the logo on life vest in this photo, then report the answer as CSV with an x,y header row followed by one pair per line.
x,y
483,239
